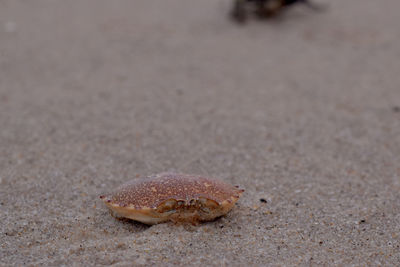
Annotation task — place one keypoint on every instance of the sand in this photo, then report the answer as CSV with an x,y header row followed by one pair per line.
x,y
302,111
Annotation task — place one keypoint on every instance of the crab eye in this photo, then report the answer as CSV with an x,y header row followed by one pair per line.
x,y
206,210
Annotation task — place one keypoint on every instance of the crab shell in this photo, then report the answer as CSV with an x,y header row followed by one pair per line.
x,y
175,197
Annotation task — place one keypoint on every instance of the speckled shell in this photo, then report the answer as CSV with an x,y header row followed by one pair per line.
x,y
170,196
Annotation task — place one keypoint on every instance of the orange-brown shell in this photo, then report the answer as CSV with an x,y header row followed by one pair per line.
x,y
150,195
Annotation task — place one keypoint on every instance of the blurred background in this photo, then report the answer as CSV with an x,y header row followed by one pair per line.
x,y
301,109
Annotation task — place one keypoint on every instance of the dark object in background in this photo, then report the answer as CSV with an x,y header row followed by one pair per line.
x,y
264,8
396,108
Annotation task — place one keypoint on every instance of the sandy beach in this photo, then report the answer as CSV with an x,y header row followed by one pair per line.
x,y
302,111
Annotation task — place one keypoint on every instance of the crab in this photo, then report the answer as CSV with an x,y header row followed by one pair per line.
x,y
265,8
173,197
